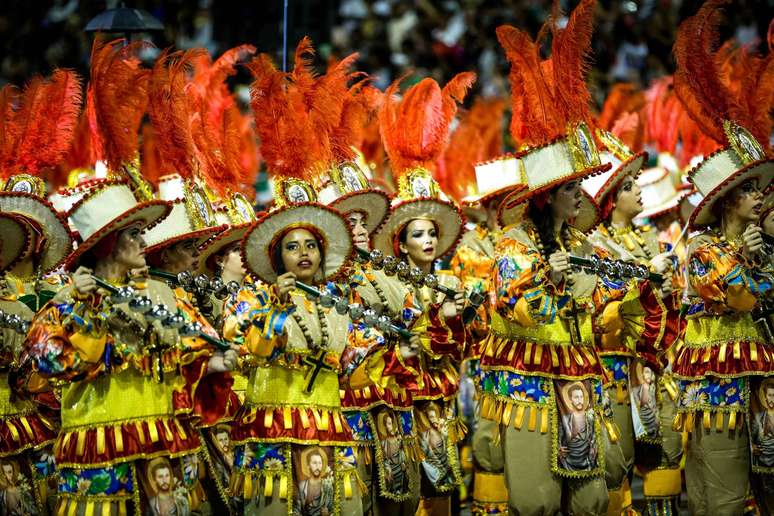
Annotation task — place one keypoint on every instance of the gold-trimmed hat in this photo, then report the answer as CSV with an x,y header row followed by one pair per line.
x,y
552,114
659,194
347,189
325,223
623,162
108,206
415,136
499,176
238,215
192,215
14,241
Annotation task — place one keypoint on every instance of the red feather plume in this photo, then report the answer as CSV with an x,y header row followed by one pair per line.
x,y
117,99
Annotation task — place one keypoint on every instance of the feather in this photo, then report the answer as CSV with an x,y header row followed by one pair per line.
x,y
171,112
117,98
415,129
9,95
535,116
697,82
622,98
570,54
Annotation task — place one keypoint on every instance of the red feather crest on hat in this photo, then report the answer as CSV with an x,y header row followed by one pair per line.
x,y
415,129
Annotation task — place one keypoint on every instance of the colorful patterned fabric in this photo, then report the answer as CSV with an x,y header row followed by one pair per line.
x,y
714,394
517,387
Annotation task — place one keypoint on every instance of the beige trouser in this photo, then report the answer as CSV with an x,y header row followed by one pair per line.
x,y
533,490
489,483
620,457
717,470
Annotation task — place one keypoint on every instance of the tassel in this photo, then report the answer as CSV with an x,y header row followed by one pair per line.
x,y
268,418
27,427
287,418
689,422
61,508
612,433
737,350
719,422
180,430
722,353
337,422
153,430
89,508
348,485
554,356
80,447
100,441
532,419
140,432
304,418
66,441
283,491
753,352
577,356
506,419
247,488
619,394
268,486
707,355
519,417
121,508
544,420
677,424
566,356
527,353
589,355
732,421
707,420
694,355
14,431
168,435
538,354
72,508
324,420
118,438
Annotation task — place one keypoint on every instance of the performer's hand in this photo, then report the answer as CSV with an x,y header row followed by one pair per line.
x,y
83,280
560,265
661,263
459,301
285,284
221,362
666,287
753,241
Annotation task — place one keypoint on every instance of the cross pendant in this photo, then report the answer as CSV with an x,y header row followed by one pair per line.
x,y
316,364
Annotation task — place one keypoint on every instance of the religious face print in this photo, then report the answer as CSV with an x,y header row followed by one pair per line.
x,y
167,482
315,481
643,390
744,144
432,421
578,443
352,179
16,488
762,426
392,457
221,451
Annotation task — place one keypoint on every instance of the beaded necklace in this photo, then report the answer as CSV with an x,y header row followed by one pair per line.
x,y
627,237
313,346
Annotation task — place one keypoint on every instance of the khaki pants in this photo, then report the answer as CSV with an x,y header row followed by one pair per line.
x,y
620,455
489,488
534,490
717,470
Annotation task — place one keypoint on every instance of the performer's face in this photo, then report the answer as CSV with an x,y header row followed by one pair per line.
x,y
301,254
566,201
577,399
421,241
629,197
130,247
647,375
315,465
8,473
182,256
770,397
359,231
231,262
163,478
746,201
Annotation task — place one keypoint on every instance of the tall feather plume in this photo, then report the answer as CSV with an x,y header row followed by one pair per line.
x,y
623,98
117,99
171,111
44,125
9,95
415,129
360,106
570,54
662,109
535,114
151,160
697,79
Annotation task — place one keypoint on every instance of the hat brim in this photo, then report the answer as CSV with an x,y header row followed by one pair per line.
x,y
148,214
763,170
200,235
374,203
325,221
15,240
59,239
448,218
632,166
664,207
512,208
473,200
214,245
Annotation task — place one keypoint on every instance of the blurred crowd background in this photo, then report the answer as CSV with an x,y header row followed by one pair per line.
x,y
438,38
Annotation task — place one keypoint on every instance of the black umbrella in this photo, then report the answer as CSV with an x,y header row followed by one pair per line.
x,y
124,19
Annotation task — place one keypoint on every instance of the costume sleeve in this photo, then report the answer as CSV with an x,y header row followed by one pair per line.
x,y
525,293
475,271
255,319
723,280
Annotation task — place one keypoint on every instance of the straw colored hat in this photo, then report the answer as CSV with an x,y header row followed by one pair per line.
x,y
347,189
238,215
108,206
623,162
499,176
14,241
659,194
325,223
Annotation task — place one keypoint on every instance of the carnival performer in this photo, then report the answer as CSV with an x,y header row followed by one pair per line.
x,y
642,418
420,229
725,362
542,376
42,116
25,433
473,264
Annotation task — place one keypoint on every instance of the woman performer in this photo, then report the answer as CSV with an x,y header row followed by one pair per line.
x,y
726,362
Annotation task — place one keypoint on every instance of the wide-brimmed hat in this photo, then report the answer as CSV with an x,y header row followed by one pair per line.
x,y
346,188
23,196
327,224
571,157
191,218
499,176
110,205
14,239
719,173
238,215
623,162
659,194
